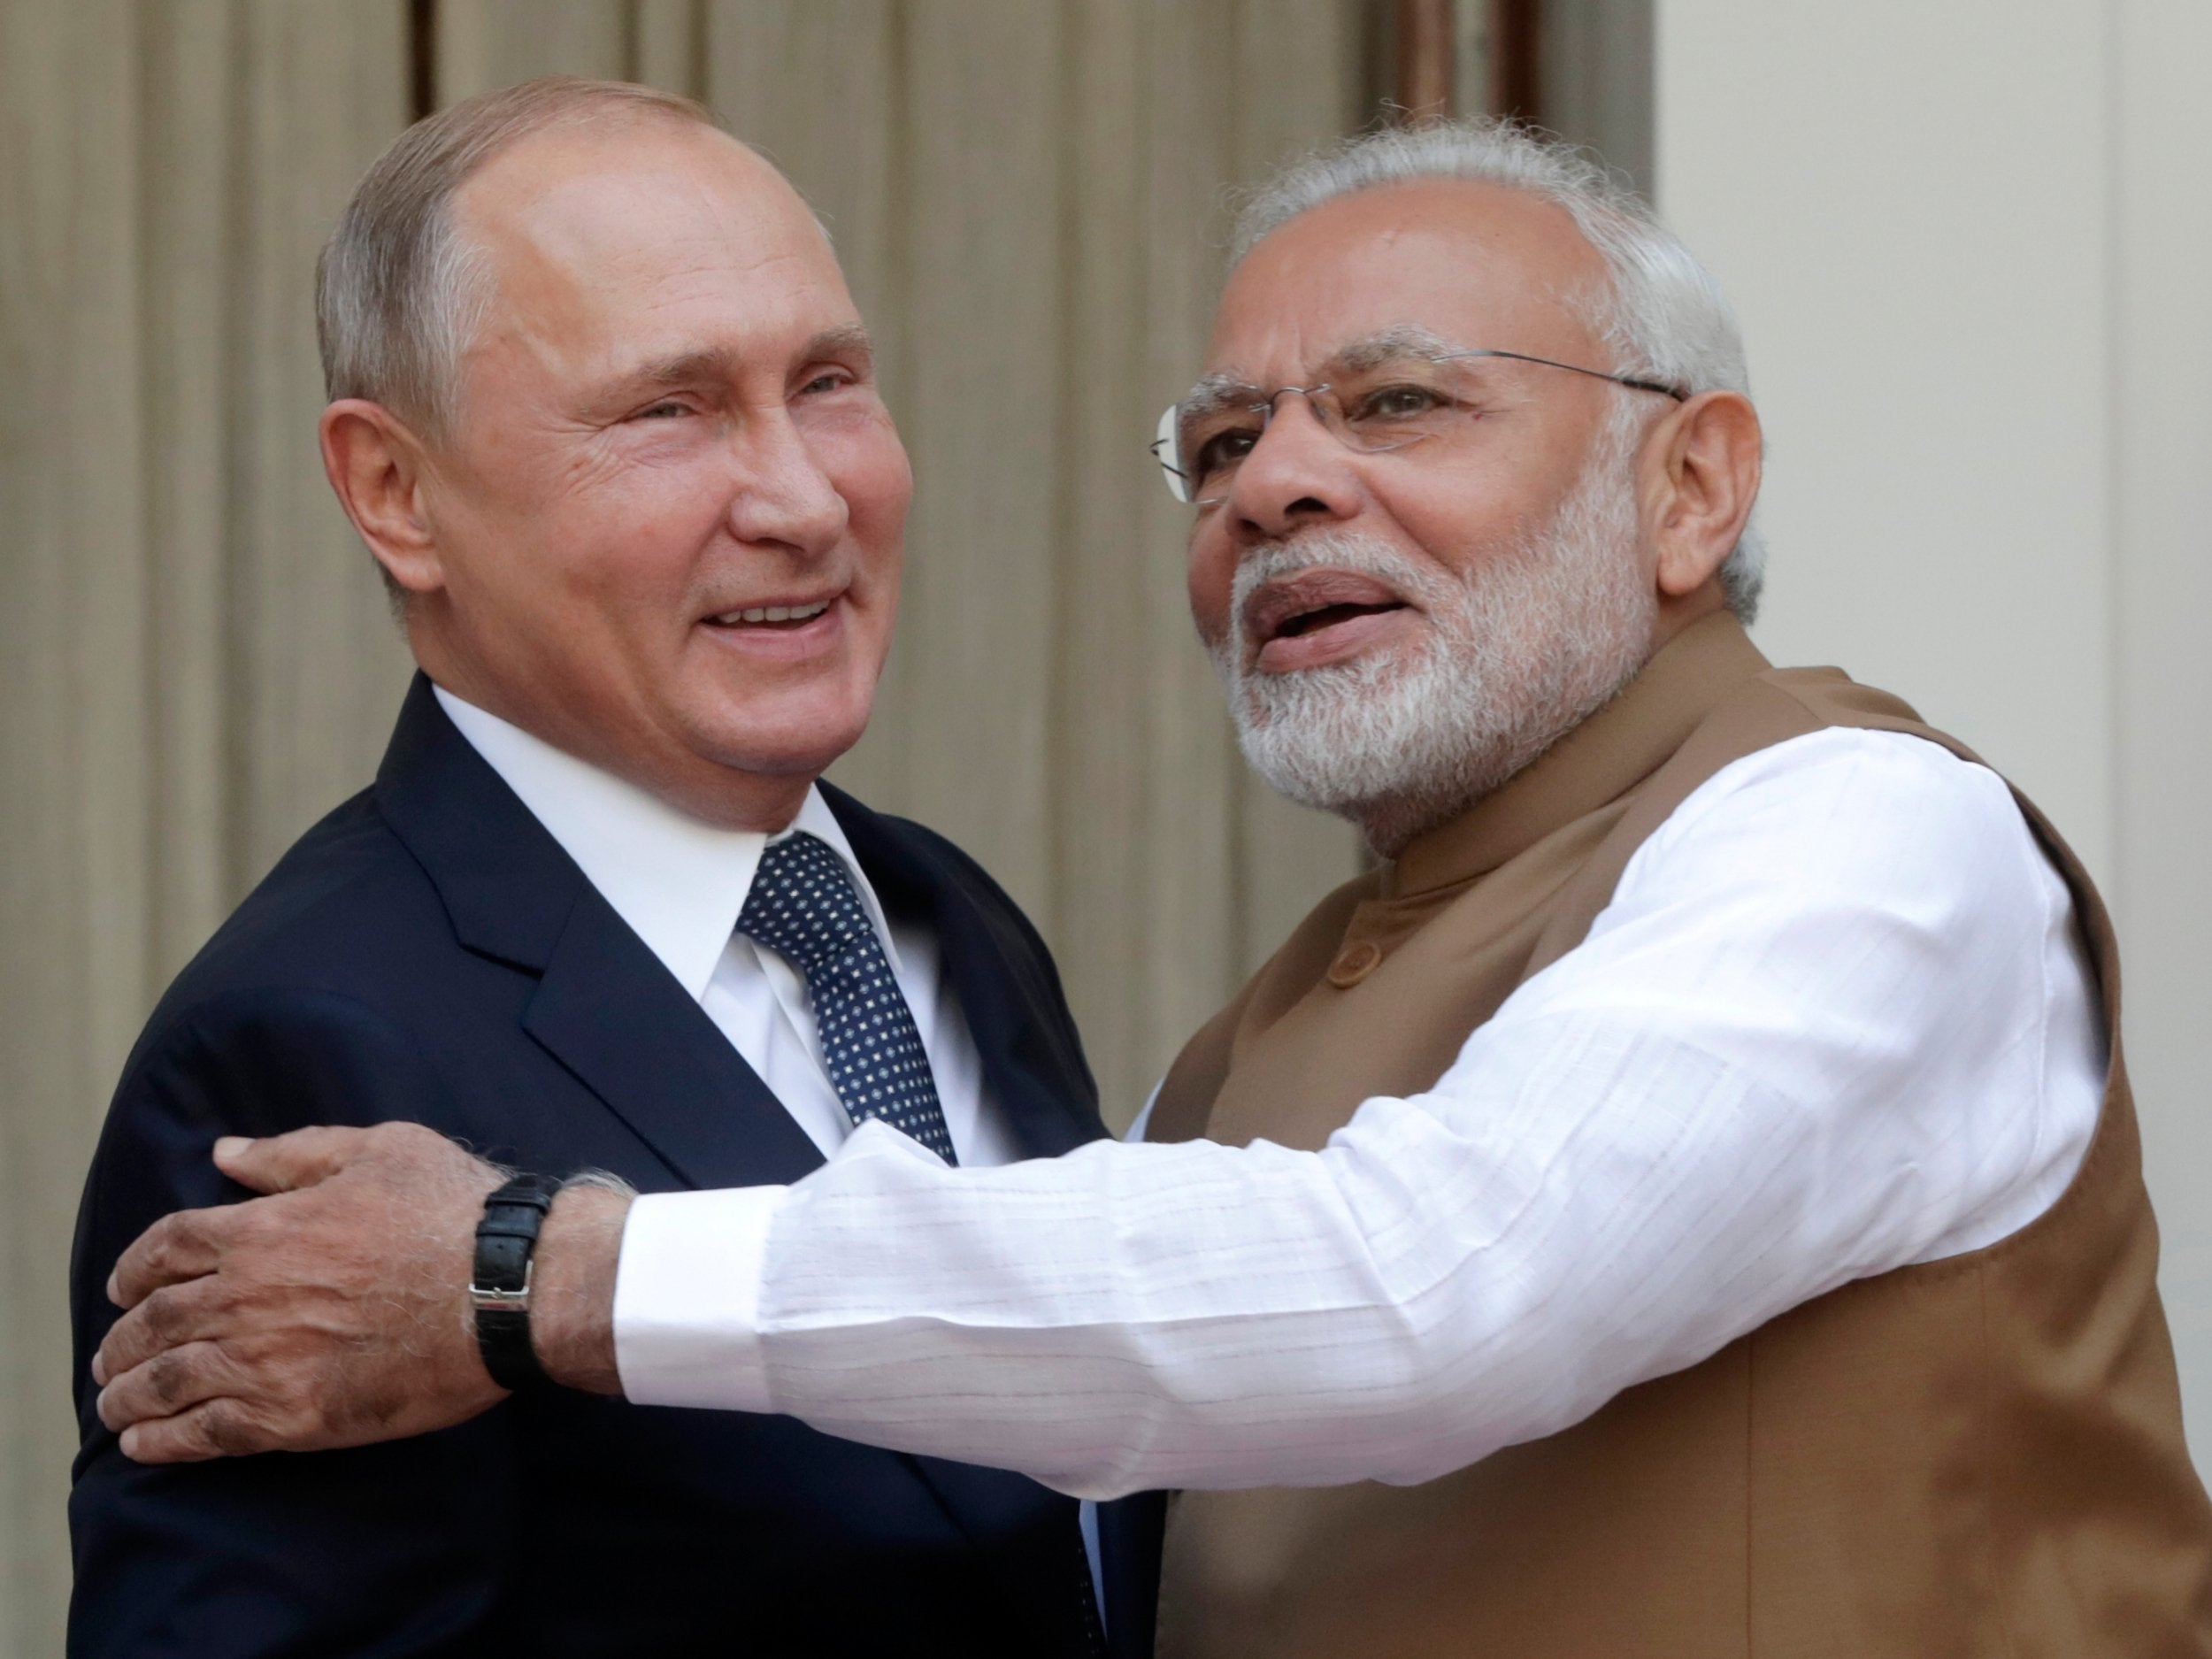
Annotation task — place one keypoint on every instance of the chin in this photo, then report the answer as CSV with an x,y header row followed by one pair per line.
x,y
781,746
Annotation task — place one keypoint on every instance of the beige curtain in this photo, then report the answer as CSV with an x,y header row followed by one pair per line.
x,y
193,654
196,661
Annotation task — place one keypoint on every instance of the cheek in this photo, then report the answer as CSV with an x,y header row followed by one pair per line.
x,y
1462,528
878,498
866,465
637,539
1510,490
1211,578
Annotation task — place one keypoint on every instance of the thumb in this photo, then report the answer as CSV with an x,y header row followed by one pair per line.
x,y
280,1163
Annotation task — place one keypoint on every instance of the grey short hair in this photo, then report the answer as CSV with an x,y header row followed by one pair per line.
x,y
399,293
1664,318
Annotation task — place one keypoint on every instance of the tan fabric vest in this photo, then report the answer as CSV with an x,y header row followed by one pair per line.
x,y
1981,1456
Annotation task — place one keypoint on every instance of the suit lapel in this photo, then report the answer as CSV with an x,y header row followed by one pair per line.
x,y
612,1014
1005,983
604,1006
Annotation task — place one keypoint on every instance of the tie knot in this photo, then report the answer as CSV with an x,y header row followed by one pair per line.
x,y
802,905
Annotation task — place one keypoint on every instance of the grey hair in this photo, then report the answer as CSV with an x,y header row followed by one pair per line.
x,y
1664,318
399,292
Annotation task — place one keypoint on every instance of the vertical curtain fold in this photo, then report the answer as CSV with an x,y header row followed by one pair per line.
x,y
194,657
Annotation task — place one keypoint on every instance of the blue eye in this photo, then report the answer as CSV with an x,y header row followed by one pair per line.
x,y
663,410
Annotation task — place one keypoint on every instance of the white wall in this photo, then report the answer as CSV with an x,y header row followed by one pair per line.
x,y
1971,243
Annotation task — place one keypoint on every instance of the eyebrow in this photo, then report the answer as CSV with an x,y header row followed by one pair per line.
x,y
848,342
1405,340
1224,386
1215,392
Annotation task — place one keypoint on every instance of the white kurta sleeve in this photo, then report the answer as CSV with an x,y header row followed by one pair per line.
x,y
1836,1020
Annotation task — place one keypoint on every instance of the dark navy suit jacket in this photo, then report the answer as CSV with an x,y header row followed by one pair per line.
x,y
429,952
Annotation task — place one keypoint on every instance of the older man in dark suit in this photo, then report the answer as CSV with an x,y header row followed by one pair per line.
x,y
604,413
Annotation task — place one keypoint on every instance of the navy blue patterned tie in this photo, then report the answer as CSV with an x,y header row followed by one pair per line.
x,y
804,908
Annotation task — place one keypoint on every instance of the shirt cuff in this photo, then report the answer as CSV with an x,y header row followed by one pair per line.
x,y
687,1299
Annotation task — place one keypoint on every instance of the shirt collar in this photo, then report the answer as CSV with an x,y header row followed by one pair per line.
x,y
676,880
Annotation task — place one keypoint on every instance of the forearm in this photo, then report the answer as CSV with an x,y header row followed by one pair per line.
x,y
1398,1306
571,1296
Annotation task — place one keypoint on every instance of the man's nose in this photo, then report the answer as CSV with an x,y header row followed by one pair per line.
x,y
783,497
1297,473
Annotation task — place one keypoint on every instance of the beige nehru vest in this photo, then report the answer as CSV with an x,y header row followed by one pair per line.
x,y
1981,1456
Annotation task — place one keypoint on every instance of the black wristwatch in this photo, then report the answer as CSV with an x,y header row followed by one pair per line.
x,y
499,1288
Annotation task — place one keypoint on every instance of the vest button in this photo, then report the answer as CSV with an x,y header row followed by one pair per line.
x,y
1354,963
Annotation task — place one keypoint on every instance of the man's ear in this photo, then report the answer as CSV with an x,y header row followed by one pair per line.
x,y
1701,475
376,463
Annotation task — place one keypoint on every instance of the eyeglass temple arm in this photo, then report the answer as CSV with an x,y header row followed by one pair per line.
x,y
1675,392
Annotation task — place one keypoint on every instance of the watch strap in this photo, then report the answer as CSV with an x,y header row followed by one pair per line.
x,y
499,1286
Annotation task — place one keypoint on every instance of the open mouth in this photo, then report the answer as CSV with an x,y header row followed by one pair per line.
x,y
1327,617
806,629
1319,617
782,617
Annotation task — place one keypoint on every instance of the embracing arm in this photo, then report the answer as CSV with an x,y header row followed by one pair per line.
x,y
1834,1023
1809,1043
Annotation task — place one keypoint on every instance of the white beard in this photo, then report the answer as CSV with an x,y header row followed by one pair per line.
x,y
1522,649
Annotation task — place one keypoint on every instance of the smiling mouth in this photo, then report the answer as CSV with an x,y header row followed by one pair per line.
x,y
771,615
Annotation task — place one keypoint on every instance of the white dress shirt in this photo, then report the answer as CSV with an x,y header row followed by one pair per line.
x,y
1836,1020
679,883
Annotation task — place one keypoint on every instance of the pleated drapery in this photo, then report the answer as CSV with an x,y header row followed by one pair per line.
x,y
196,661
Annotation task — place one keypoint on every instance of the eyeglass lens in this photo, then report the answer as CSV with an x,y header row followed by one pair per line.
x,y
1389,406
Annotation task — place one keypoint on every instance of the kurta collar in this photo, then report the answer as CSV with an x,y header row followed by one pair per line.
x,y
1599,761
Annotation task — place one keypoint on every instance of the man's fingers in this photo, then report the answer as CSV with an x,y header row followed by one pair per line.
x,y
283,1163
328,1313
168,1317
216,1428
172,1380
176,1248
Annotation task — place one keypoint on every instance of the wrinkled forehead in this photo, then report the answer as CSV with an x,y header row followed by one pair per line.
x,y
1474,263
667,241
